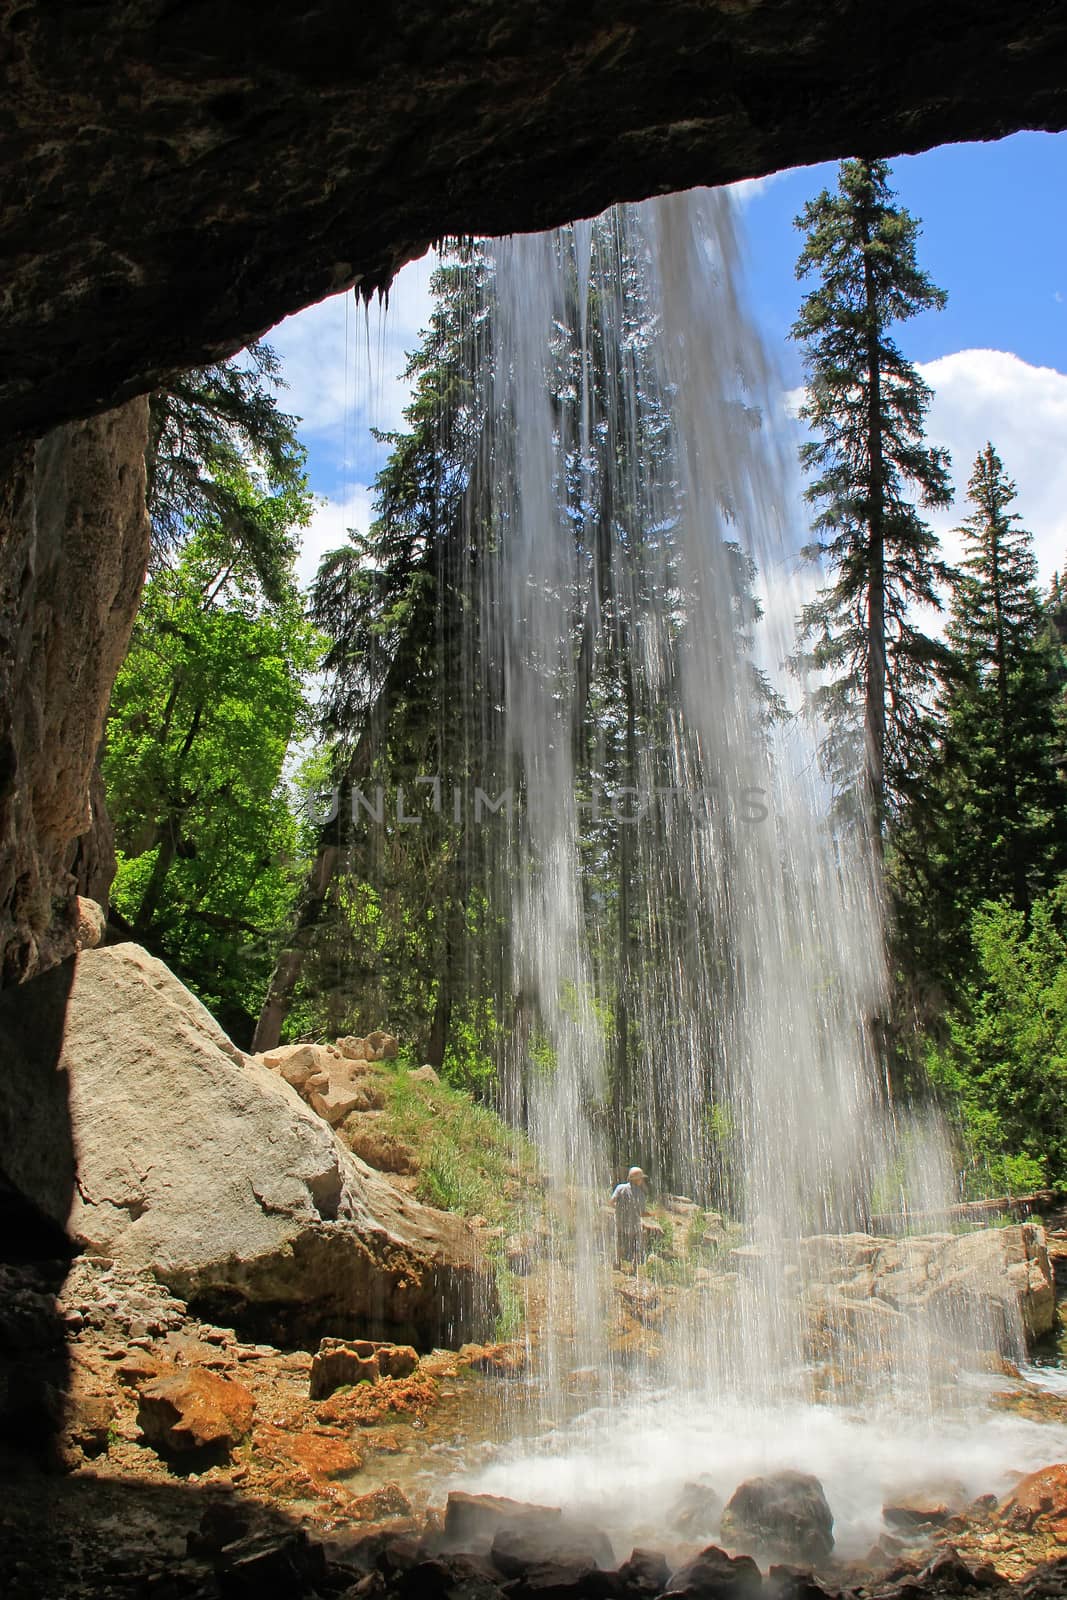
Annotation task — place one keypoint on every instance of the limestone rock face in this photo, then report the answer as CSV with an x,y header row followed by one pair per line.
x,y
332,1081
174,187
994,1285
130,1118
73,548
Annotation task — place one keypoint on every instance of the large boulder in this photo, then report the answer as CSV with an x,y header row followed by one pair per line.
x,y
784,1515
130,1118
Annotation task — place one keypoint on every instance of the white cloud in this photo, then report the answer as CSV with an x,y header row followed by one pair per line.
x,y
328,527
747,189
982,395
342,362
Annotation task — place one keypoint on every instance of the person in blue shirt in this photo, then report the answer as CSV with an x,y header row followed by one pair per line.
x,y
629,1201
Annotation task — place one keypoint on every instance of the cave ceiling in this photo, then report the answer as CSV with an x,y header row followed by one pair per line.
x,y
179,176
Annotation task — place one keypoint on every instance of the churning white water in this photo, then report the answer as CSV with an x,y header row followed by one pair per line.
x,y
697,952
626,1468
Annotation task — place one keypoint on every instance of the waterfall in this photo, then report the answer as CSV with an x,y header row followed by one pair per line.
x,y
699,955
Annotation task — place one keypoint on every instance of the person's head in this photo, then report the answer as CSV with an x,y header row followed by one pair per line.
x,y
635,1175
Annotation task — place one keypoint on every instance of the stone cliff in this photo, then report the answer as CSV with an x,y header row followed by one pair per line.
x,y
74,542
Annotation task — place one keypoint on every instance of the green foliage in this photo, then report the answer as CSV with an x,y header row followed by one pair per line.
x,y
211,694
988,818
470,1161
202,715
868,465
1005,1055
221,455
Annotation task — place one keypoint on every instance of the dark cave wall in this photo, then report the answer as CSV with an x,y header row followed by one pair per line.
x,y
74,543
179,177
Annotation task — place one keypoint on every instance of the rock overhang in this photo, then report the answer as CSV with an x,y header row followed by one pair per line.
x,y
180,178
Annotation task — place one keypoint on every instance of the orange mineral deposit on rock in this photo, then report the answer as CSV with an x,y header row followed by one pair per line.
x,y
187,1408
1041,1494
324,1455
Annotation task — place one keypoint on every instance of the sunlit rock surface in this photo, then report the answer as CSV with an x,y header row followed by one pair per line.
x,y
208,1170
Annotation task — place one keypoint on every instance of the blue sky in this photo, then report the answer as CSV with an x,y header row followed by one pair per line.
x,y
994,235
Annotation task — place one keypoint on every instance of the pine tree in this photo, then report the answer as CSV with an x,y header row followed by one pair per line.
x,y
991,824
870,465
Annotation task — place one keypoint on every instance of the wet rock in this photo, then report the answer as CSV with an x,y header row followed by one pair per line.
x,y
949,1572
642,1300
339,1362
697,1511
507,1360
562,1543
713,1575
260,1567
646,1572
324,1456
455,1577
1040,1495
389,1500
559,1581
473,1517
932,1505
520,1252
190,1409
784,1514
221,1523
794,1583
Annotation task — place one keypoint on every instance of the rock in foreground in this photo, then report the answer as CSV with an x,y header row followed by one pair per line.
x,y
784,1515
209,1171
192,1410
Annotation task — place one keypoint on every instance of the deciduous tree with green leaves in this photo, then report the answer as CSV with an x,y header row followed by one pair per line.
x,y
870,475
205,707
212,692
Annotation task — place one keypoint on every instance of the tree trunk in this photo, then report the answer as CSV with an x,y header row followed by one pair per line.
x,y
437,1040
169,833
874,720
334,839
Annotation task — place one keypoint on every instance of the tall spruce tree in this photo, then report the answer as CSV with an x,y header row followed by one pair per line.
x,y
871,473
989,823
